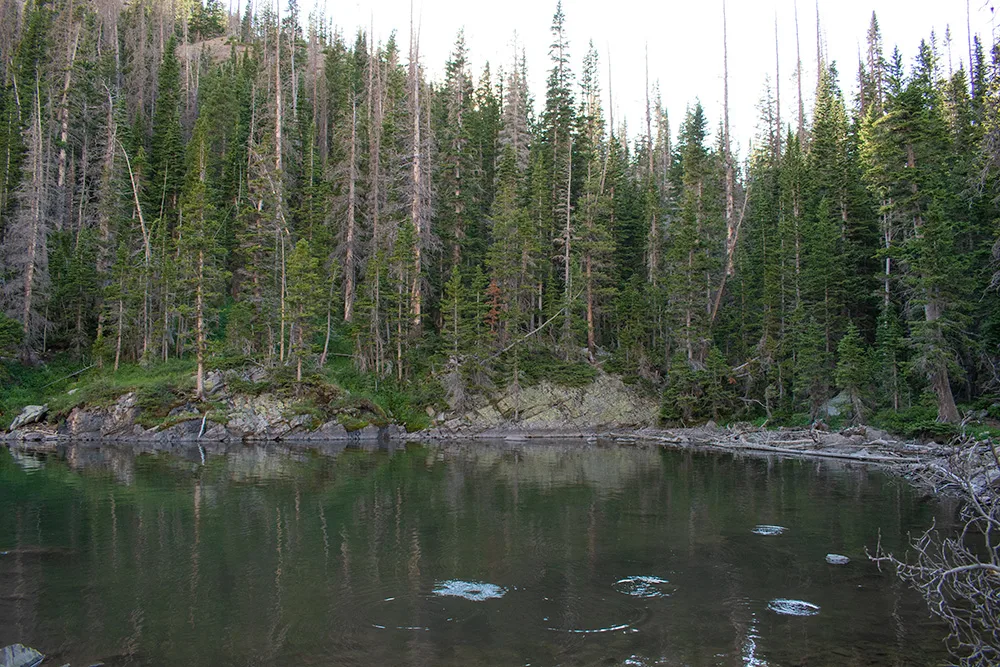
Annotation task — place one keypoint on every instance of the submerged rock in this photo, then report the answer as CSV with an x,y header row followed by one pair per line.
x,y
29,415
767,529
19,655
787,607
643,587
837,559
477,591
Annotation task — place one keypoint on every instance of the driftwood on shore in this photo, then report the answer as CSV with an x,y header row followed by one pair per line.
x,y
861,444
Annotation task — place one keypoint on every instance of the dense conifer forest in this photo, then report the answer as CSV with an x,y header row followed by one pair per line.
x,y
262,188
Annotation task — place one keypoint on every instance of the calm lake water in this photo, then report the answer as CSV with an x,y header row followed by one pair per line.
x,y
456,554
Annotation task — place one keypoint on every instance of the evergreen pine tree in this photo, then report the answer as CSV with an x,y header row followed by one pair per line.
x,y
853,370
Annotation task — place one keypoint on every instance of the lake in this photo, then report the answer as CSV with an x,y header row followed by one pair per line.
x,y
466,553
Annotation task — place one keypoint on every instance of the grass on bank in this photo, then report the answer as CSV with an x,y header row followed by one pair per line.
x,y
59,383
336,392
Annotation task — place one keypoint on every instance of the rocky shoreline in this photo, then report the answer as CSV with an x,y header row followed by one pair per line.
x,y
544,408
606,409
861,444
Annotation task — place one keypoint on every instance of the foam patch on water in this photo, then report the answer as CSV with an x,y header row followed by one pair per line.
x,y
642,587
837,559
766,529
477,591
792,607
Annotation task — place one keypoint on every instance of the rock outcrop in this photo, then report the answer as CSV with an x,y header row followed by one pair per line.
x,y
258,418
540,410
547,409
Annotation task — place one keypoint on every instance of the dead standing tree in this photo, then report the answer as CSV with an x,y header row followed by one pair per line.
x,y
959,574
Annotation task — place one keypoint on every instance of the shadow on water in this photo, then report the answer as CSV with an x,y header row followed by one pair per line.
x,y
465,553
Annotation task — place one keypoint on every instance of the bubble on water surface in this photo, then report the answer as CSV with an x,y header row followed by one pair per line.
x,y
767,529
642,587
477,591
792,607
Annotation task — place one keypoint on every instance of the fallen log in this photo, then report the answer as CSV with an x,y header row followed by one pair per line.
x,y
867,458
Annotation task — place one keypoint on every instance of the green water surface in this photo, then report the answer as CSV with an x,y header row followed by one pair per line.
x,y
457,554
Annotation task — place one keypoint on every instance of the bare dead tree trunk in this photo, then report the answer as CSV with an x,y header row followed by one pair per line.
x,y
777,93
653,236
798,76
199,309
730,206
199,297
374,109
730,254
121,323
329,324
64,115
416,214
886,243
36,211
282,294
968,34
819,50
567,252
349,269
147,250
279,195
591,338
298,356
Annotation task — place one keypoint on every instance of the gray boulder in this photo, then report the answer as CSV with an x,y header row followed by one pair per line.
x,y
875,434
31,414
214,382
332,431
19,655
836,406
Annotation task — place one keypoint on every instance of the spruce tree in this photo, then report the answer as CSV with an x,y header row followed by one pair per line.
x,y
852,374
166,154
199,251
305,294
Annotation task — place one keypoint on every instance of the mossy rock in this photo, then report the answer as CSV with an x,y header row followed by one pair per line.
x,y
351,424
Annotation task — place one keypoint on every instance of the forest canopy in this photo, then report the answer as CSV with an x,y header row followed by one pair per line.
x,y
179,182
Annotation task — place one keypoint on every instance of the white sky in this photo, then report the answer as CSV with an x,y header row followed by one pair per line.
x,y
684,39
